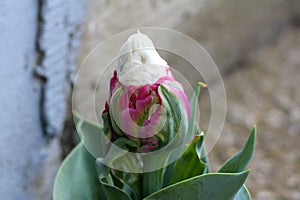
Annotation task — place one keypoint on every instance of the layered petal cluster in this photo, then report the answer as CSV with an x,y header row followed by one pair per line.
x,y
148,108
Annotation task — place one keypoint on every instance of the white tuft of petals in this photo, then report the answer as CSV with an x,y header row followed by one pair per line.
x,y
139,63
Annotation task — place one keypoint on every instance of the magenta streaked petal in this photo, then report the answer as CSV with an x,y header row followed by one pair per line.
x,y
153,125
124,101
130,127
113,81
142,105
144,91
139,112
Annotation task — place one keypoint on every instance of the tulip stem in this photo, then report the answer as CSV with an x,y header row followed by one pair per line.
x,y
152,182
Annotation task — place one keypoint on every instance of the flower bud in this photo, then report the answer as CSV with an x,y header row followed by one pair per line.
x,y
147,107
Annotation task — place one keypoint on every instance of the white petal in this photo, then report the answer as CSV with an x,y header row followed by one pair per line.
x,y
139,62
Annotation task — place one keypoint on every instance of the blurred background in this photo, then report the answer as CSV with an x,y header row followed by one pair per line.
x,y
255,44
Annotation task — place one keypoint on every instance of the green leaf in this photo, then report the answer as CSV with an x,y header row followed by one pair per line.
x,y
193,106
190,164
243,194
95,140
240,160
91,136
216,186
77,177
111,191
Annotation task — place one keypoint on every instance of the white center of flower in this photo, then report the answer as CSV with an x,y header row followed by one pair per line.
x,y
139,63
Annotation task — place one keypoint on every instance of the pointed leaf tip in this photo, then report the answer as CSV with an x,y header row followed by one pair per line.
x,y
240,160
203,85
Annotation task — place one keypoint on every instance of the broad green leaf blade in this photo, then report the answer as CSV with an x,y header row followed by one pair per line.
x,y
243,194
190,164
77,177
91,136
240,160
215,186
111,191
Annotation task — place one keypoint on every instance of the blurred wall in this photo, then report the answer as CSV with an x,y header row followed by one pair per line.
x,y
21,131
38,42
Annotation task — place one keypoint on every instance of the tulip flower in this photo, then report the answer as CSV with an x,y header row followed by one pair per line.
x,y
147,108
145,150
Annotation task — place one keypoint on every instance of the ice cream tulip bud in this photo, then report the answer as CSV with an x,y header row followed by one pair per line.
x,y
147,107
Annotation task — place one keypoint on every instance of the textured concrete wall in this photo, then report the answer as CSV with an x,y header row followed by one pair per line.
x,y
59,33
21,132
38,42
